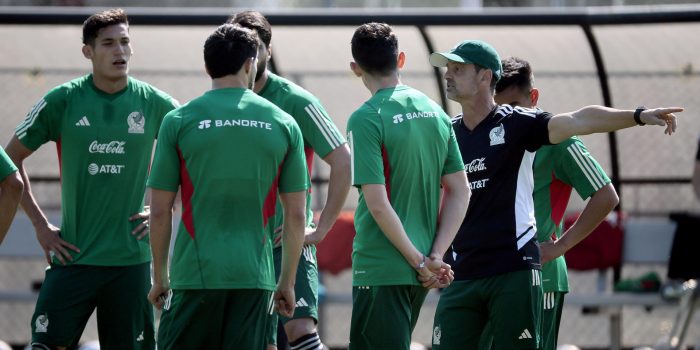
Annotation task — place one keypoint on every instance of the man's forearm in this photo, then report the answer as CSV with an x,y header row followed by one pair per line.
x,y
293,235
29,203
589,120
390,224
161,231
454,208
10,195
599,206
338,188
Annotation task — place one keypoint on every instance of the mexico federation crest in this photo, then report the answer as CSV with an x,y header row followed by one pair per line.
x,y
136,122
497,135
42,324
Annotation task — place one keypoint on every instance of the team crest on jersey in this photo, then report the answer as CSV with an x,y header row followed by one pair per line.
x,y
136,122
42,324
437,334
497,135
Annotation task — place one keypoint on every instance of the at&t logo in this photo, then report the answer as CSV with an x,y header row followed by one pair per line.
x,y
94,169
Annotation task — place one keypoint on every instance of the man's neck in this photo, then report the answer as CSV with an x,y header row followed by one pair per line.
x,y
476,110
260,83
376,83
109,86
229,81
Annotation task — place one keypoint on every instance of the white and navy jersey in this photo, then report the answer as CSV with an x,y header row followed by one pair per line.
x,y
498,233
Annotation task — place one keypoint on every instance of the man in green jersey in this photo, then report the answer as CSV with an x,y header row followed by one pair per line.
x,y
104,125
557,169
322,137
11,186
404,157
229,151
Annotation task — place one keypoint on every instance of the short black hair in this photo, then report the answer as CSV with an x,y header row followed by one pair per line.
x,y
516,72
256,21
94,23
228,48
375,48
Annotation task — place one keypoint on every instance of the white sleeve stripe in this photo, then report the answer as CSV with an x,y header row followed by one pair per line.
x,y
591,165
31,118
352,158
584,168
28,117
320,122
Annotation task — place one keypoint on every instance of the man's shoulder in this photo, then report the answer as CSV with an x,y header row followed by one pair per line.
x,y
148,90
290,90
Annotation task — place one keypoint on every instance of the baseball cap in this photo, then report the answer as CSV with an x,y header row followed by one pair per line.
x,y
470,51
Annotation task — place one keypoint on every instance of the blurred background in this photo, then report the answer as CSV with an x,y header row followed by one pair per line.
x,y
622,53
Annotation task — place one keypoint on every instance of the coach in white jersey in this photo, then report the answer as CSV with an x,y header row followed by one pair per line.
x,y
496,256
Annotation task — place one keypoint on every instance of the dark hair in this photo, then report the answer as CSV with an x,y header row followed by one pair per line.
x,y
375,48
253,20
100,20
228,48
516,72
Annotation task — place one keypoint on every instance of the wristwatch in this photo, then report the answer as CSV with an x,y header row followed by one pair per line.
x,y
421,264
637,113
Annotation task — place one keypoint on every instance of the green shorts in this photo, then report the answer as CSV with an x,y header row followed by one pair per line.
x,y
71,293
305,288
511,301
215,319
553,303
383,317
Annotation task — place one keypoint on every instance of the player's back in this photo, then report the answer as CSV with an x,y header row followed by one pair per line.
x,y
410,135
231,144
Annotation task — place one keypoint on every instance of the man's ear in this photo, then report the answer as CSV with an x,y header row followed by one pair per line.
x,y
355,68
488,75
248,64
87,51
401,60
534,96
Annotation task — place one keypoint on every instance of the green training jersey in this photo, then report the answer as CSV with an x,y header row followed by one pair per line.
x,y
557,169
403,140
7,167
321,136
104,144
229,151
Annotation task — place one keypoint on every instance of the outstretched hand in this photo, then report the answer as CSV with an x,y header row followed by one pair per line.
x,y
662,117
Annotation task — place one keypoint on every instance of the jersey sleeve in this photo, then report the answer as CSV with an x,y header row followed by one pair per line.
x,y
43,122
454,162
164,104
536,131
165,171
576,167
7,167
294,176
365,138
317,127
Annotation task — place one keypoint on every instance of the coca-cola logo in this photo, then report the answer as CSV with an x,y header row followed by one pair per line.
x,y
475,165
113,147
